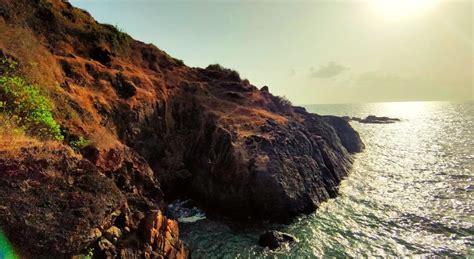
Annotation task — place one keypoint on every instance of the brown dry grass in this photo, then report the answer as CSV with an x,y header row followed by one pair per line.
x,y
13,146
37,64
104,139
12,138
13,141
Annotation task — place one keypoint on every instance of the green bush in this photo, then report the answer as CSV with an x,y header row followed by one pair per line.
x,y
179,61
7,66
24,105
79,143
226,73
282,103
117,38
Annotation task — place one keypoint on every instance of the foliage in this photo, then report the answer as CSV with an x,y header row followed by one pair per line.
x,y
25,106
283,103
118,29
90,253
97,34
79,143
44,4
9,129
114,35
179,62
7,66
230,74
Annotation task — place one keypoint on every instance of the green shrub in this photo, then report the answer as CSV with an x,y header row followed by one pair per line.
x,y
223,72
283,103
117,38
79,143
179,61
7,66
24,105
44,4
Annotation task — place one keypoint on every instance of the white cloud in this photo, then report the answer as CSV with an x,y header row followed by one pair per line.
x,y
330,70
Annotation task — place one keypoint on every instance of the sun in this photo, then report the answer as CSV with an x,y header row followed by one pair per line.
x,y
399,9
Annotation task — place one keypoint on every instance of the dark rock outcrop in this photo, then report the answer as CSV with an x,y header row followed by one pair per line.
x,y
158,130
350,138
154,237
276,175
66,205
55,198
376,120
275,239
194,132
101,55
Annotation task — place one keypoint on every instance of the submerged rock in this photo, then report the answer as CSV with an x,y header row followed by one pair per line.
x,y
275,239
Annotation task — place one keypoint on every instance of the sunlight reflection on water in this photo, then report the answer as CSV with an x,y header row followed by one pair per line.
x,y
410,192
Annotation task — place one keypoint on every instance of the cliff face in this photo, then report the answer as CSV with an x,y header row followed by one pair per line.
x,y
159,130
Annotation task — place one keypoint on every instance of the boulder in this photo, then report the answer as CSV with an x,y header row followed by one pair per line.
x,y
161,235
101,55
275,239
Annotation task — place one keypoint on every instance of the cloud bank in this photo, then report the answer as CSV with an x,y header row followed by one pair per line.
x,y
330,70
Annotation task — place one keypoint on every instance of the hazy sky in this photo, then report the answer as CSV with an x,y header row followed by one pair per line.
x,y
315,51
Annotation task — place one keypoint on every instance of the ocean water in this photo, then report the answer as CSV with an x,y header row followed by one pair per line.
x,y
410,193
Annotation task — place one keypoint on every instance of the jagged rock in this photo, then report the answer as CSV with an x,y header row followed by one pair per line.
x,y
300,110
275,239
154,235
128,169
106,245
124,87
287,170
350,138
113,234
162,236
54,198
101,55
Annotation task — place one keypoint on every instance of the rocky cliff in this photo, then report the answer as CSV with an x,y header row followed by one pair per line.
x,y
153,130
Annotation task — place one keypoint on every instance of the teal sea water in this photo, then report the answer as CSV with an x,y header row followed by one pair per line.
x,y
410,193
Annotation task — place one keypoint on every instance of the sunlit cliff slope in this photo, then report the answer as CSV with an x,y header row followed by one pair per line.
x,y
99,131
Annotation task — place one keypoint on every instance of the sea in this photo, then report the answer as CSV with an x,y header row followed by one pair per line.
x,y
410,193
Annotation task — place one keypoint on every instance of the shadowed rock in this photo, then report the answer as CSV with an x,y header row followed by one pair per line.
x,y
350,138
55,198
275,239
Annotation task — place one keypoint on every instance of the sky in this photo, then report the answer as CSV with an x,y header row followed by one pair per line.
x,y
315,51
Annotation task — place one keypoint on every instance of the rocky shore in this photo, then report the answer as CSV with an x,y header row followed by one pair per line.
x,y
153,130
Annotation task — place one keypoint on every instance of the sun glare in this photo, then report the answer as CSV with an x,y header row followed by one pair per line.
x,y
399,9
